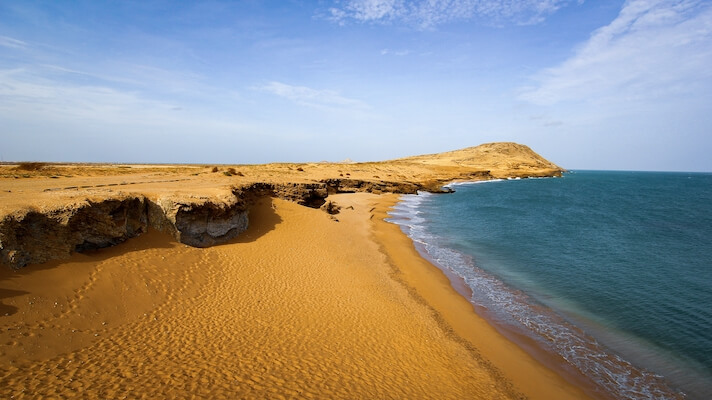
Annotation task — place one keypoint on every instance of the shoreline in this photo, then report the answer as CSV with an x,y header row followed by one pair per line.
x,y
448,300
299,305
542,355
548,353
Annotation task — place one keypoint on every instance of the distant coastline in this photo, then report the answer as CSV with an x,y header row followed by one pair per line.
x,y
80,207
289,269
497,244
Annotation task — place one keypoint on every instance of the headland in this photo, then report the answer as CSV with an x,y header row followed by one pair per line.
x,y
248,281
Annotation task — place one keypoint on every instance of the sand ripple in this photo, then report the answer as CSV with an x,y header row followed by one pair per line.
x,y
301,306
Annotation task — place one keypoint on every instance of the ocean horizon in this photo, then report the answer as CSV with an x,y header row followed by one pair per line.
x,y
608,271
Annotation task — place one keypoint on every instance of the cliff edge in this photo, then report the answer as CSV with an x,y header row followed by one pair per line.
x,y
48,211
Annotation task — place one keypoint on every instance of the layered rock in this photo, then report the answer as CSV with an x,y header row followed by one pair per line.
x,y
31,236
199,224
35,235
371,186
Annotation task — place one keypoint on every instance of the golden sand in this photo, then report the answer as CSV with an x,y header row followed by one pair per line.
x,y
302,305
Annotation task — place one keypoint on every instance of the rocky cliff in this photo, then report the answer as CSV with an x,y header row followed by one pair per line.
x,y
203,211
30,236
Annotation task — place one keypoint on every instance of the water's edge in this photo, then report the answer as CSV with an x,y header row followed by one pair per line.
x,y
553,339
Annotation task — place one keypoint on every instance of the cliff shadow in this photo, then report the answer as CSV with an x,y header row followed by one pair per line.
x,y
20,282
263,218
10,289
7,309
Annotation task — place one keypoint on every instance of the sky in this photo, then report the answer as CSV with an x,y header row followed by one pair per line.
x,y
588,84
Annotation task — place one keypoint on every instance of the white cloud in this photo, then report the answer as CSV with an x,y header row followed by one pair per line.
x,y
654,49
47,117
545,121
12,43
430,13
36,97
313,97
369,10
399,53
25,92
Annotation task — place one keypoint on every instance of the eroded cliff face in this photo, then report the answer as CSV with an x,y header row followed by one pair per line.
x,y
199,210
33,236
201,223
357,185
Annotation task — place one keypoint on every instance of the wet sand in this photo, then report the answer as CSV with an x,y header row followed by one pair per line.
x,y
301,305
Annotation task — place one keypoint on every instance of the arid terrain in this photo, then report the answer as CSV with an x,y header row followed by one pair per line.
x,y
43,185
244,281
48,211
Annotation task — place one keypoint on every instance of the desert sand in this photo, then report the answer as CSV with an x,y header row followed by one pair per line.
x,y
303,304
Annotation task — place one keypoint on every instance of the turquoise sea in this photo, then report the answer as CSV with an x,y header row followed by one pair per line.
x,y
611,272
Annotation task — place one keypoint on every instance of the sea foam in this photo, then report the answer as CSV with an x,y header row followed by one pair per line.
x,y
512,310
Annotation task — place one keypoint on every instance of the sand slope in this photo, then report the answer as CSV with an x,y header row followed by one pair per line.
x,y
302,306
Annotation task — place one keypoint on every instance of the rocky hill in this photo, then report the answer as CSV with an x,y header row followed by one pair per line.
x,y
48,211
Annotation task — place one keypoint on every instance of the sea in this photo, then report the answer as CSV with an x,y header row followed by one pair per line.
x,y
608,273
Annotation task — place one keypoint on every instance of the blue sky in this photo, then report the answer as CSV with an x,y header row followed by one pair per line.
x,y
588,84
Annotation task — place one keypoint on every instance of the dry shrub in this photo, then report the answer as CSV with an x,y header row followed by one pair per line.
x,y
30,166
331,208
300,169
231,172
215,169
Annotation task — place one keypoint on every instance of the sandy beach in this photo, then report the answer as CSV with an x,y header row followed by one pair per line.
x,y
286,200
307,302
302,305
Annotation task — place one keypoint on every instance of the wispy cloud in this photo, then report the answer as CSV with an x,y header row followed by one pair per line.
x,y
653,49
430,13
307,96
546,121
12,43
27,92
399,53
39,106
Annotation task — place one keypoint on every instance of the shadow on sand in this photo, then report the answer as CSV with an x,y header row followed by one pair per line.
x,y
263,219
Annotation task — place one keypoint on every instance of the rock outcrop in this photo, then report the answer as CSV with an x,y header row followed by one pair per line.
x,y
53,230
31,236
375,186
200,223
34,237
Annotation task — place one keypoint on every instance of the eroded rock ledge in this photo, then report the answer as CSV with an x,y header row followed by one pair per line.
x,y
91,218
30,236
